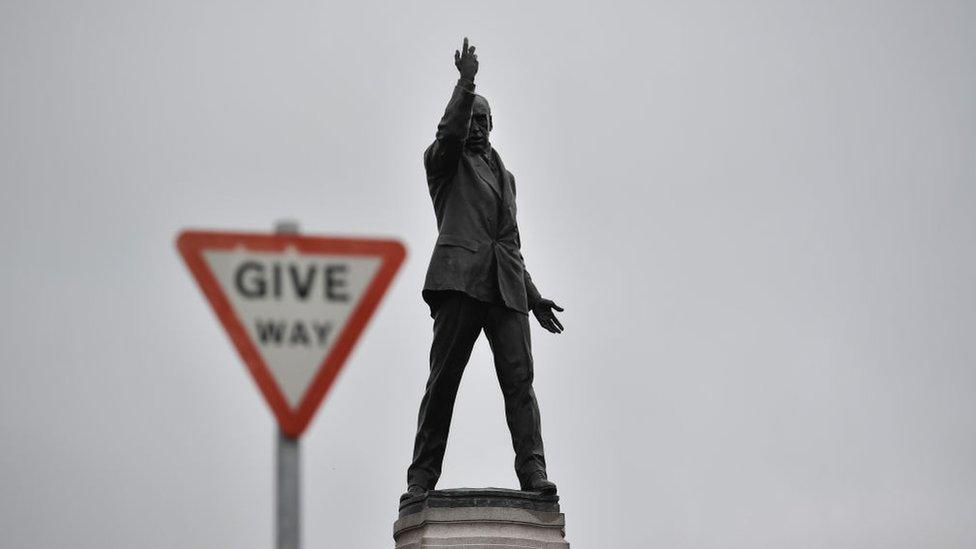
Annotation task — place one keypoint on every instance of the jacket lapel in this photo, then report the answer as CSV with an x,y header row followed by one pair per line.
x,y
485,174
508,197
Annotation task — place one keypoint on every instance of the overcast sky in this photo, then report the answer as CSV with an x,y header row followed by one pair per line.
x,y
759,216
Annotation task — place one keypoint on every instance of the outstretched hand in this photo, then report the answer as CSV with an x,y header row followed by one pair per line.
x,y
466,61
543,313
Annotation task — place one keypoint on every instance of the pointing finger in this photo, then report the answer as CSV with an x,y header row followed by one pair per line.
x,y
464,48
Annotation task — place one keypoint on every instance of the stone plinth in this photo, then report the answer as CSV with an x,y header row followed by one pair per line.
x,y
480,518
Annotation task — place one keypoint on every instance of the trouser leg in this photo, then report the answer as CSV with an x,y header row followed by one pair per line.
x,y
457,323
508,335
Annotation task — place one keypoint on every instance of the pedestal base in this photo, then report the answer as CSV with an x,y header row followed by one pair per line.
x,y
485,518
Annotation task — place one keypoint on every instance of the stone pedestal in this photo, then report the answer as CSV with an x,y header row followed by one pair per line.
x,y
480,518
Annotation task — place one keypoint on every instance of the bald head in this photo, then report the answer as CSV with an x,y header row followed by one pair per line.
x,y
481,124
481,106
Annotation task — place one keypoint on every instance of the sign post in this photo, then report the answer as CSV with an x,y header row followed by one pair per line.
x,y
288,508
294,307
288,468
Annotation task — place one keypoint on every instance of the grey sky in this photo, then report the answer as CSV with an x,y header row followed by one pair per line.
x,y
758,215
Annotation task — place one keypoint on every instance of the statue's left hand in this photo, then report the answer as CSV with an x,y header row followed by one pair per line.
x,y
543,313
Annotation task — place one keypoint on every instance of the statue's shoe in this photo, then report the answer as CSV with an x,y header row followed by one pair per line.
x,y
413,491
539,483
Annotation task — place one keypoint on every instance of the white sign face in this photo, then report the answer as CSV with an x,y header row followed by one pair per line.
x,y
293,306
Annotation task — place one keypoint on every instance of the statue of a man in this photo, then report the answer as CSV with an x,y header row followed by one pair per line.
x,y
477,281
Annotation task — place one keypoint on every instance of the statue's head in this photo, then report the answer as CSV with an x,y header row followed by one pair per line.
x,y
481,124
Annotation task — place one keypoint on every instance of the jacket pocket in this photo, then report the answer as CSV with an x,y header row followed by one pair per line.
x,y
452,240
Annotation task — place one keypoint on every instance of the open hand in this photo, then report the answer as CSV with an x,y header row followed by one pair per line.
x,y
466,61
543,313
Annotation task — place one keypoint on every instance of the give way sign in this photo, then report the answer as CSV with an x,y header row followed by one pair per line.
x,y
293,306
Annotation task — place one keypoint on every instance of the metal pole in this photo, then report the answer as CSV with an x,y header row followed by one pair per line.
x,y
288,524
288,468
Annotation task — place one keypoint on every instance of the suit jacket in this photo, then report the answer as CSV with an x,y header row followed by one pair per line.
x,y
478,248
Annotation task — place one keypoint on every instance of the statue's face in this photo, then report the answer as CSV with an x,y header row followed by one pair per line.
x,y
480,124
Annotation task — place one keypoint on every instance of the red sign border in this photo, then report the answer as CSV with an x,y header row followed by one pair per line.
x,y
293,422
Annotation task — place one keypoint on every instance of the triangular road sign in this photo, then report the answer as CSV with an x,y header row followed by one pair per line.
x,y
293,306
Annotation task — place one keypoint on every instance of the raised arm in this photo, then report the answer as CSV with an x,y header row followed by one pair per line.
x,y
453,127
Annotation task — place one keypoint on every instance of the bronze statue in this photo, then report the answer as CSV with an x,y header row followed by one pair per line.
x,y
477,281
